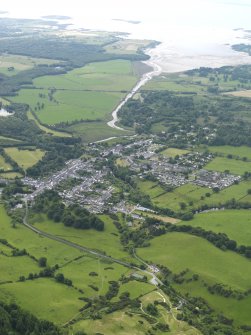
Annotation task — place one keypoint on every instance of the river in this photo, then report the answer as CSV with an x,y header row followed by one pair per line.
x,y
144,79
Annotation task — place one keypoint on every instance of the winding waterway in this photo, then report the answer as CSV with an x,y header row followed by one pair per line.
x,y
144,79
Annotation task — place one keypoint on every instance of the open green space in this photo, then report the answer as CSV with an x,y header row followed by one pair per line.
x,y
12,64
225,150
172,152
87,93
69,106
10,175
47,130
80,272
25,158
57,302
36,245
106,241
177,251
235,223
4,166
234,166
8,140
14,267
95,131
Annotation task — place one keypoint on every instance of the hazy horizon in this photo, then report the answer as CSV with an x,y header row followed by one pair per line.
x,y
189,30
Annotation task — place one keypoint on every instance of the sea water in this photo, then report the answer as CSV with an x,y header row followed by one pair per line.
x,y
192,33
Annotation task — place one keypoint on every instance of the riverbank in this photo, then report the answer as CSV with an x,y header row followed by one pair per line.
x,y
156,71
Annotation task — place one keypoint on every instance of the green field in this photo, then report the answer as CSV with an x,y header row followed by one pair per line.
x,y
173,152
177,251
45,298
25,158
8,141
48,130
234,166
106,241
225,150
235,223
87,93
10,175
20,63
95,131
3,165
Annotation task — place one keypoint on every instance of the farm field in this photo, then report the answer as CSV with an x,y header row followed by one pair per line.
x,y
10,175
192,195
87,93
12,64
25,158
172,152
36,245
234,166
177,251
57,302
225,150
95,131
235,223
4,166
106,241
47,130
88,271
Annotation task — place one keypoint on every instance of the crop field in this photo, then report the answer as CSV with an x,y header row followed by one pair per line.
x,y
172,152
234,166
235,223
25,158
177,251
47,130
225,150
3,165
243,94
12,64
95,131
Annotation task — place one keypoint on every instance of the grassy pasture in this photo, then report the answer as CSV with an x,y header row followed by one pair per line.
x,y
78,271
20,63
94,131
172,152
106,241
14,267
3,165
8,140
225,150
48,130
87,93
126,46
25,158
177,251
10,175
221,164
36,245
45,298
235,223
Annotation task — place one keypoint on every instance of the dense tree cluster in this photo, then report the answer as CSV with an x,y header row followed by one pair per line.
x,y
72,216
14,320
